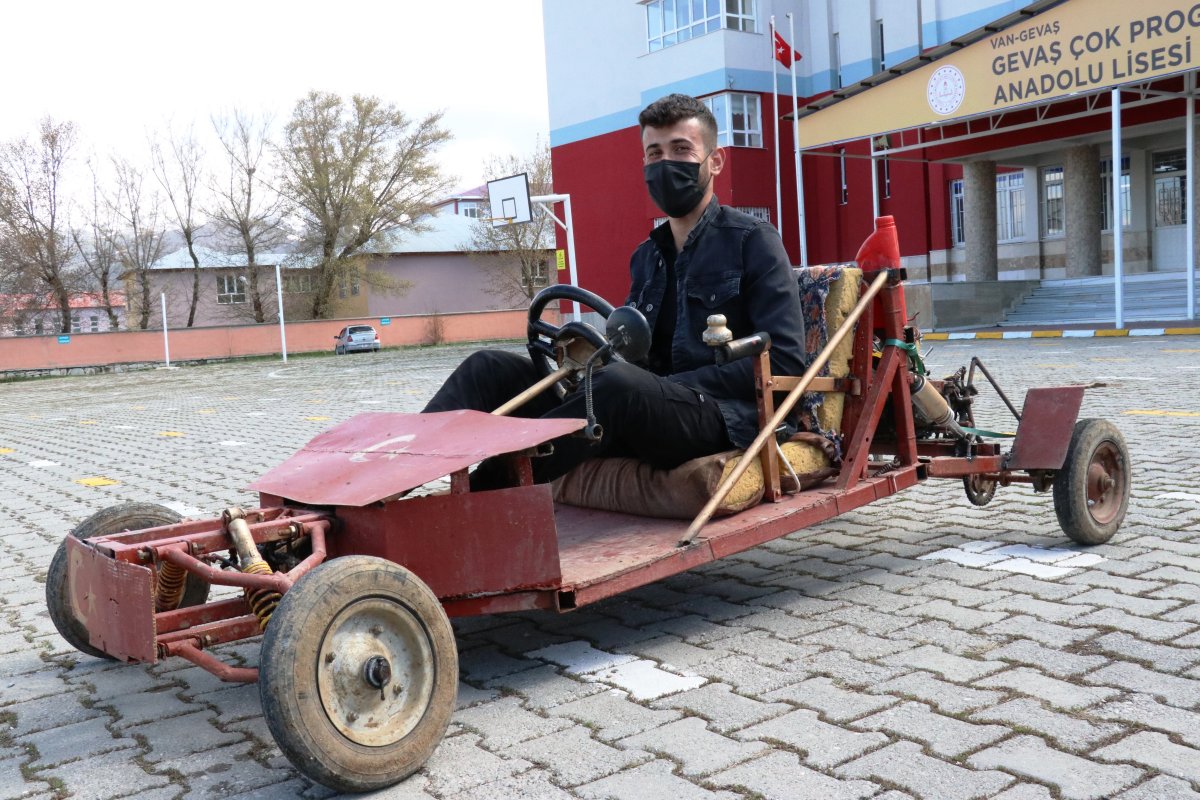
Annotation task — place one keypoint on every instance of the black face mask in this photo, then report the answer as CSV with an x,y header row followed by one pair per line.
x,y
675,186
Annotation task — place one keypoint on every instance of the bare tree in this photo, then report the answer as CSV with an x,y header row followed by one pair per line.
x,y
517,257
354,171
33,221
245,205
139,240
179,170
96,245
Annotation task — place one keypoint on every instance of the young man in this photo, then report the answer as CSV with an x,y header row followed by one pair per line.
x,y
705,259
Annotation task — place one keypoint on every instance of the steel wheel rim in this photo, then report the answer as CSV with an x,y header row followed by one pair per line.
x,y
362,633
1105,483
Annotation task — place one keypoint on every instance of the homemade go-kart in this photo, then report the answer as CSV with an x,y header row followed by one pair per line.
x,y
352,583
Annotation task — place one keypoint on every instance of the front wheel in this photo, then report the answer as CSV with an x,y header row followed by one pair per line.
x,y
358,674
1091,491
114,519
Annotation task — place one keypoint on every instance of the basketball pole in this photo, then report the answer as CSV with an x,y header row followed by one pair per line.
x,y
545,201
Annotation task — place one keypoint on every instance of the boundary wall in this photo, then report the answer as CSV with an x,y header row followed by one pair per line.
x,y
48,352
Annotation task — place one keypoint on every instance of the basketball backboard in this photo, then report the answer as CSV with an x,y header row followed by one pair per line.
x,y
509,199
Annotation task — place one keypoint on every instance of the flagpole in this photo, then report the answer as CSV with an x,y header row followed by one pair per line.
x,y
796,146
775,105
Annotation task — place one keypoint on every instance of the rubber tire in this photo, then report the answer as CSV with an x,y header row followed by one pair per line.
x,y
1071,483
979,495
287,681
114,519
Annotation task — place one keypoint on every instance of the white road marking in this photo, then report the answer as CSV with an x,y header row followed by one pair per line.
x,y
1039,562
1191,498
183,509
580,658
644,680
44,464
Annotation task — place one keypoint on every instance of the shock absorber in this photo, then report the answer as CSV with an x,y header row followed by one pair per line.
x,y
168,586
261,601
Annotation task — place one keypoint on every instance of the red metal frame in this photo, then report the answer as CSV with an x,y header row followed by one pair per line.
x,y
464,544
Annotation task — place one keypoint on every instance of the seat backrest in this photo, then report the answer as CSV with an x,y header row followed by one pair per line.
x,y
827,296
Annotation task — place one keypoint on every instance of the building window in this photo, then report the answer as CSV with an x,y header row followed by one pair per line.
x,y
1053,218
957,235
1170,188
469,208
739,15
835,60
540,273
297,283
758,212
231,289
842,173
95,323
877,45
75,322
670,22
38,327
739,119
348,286
1010,206
1106,193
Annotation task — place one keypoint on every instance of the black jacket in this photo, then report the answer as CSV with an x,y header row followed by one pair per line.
x,y
731,264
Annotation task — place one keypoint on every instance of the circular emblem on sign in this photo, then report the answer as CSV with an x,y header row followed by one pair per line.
x,y
946,89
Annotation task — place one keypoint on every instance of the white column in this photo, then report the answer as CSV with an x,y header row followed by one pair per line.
x,y
775,116
279,299
1191,182
796,145
874,184
569,226
166,342
1118,245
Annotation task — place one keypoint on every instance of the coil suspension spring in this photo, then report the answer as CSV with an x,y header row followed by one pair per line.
x,y
168,586
261,601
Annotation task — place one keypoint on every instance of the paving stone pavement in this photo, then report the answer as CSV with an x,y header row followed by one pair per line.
x,y
918,647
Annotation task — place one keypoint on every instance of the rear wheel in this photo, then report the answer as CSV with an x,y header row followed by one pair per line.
x,y
1091,491
114,519
359,673
980,490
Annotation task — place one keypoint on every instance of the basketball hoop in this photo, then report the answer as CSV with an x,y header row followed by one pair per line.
x,y
509,200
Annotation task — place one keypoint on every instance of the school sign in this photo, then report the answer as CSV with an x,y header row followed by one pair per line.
x,y
1079,47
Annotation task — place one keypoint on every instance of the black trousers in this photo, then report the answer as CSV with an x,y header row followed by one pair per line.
x,y
643,415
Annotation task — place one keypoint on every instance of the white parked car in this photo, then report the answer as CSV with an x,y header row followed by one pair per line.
x,y
354,338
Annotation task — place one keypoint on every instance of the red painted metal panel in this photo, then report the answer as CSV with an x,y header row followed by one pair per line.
x,y
372,457
1047,422
545,599
951,467
605,553
114,600
461,545
185,619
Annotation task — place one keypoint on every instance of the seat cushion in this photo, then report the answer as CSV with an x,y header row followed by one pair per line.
x,y
634,487
827,296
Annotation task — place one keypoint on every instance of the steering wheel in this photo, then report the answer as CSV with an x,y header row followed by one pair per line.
x,y
547,342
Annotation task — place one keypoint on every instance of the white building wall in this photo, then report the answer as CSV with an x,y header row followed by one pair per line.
x,y
600,74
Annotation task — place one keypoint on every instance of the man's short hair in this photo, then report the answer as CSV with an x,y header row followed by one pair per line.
x,y
667,111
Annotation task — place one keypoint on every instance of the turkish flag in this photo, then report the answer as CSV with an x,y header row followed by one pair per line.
x,y
784,53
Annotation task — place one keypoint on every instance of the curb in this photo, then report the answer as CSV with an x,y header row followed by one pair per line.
x,y
1063,334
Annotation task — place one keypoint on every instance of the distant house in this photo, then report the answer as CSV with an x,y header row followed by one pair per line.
x,y
435,263
471,203
36,315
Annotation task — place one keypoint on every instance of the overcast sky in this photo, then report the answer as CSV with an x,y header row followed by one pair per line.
x,y
120,67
